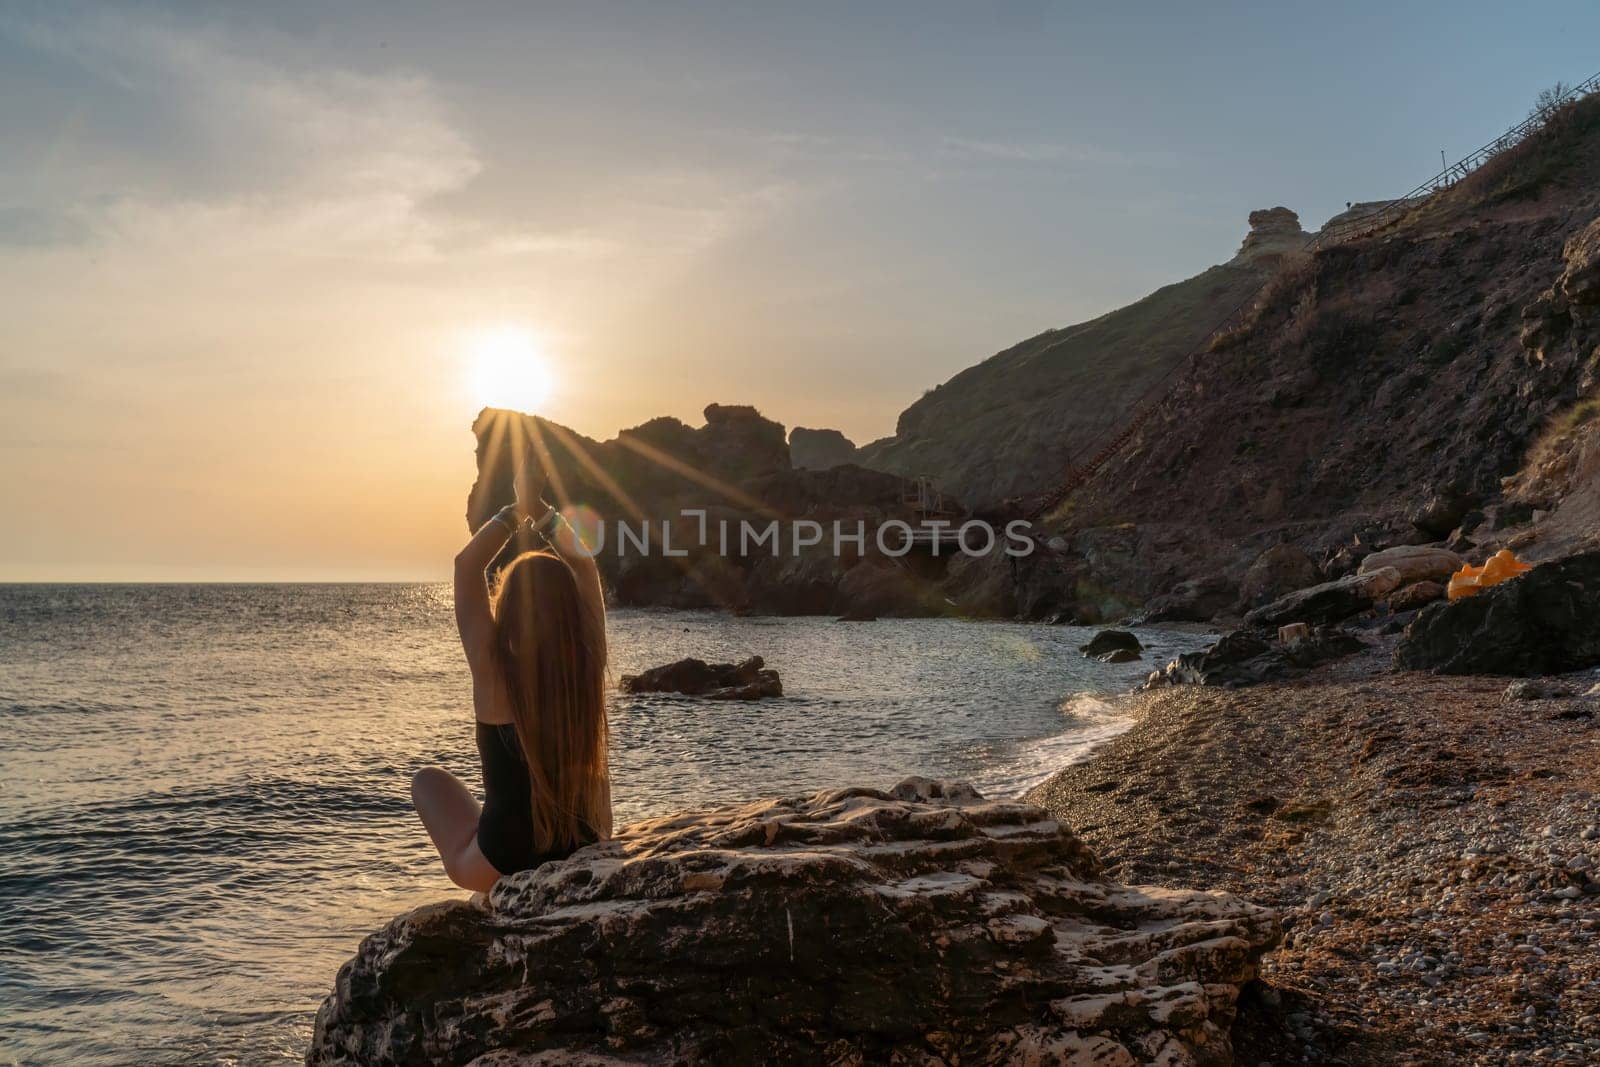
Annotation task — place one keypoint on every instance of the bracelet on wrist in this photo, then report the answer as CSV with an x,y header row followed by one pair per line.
x,y
507,517
547,522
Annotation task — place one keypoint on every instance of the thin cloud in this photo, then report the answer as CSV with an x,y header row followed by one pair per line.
x,y
1032,151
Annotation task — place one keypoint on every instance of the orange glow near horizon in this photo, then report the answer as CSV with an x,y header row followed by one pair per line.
x,y
507,367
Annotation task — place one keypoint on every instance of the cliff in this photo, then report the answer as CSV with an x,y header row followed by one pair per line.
x,y
1381,390
1430,381
919,925
1010,425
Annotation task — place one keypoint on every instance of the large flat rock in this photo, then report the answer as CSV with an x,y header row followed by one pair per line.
x,y
921,925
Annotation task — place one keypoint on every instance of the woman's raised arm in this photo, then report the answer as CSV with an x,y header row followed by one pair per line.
x,y
474,620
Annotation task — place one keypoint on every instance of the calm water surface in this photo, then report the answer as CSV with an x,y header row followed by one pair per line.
x,y
204,788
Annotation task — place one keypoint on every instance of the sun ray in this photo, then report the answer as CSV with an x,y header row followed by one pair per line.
x,y
492,449
678,466
610,485
588,462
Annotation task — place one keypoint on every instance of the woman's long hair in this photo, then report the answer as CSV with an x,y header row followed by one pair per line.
x,y
552,650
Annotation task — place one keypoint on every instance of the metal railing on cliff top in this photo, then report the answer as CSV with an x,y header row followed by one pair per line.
x,y
1349,229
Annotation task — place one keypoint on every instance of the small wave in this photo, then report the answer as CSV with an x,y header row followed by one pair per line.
x,y
1089,709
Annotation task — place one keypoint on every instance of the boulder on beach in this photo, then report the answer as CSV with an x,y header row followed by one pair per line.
x,y
749,679
922,924
1250,657
1546,621
1416,563
1112,646
1329,602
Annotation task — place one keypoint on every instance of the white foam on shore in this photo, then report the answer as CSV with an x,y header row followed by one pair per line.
x,y
1091,719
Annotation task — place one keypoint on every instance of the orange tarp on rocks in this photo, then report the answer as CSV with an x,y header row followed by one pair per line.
x,y
1500,566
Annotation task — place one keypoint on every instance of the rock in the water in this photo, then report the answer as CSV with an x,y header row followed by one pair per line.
x,y
1546,621
1119,655
1329,602
920,925
1106,642
1250,657
1280,569
1416,563
750,679
1415,595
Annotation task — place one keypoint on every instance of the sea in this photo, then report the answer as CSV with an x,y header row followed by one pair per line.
x,y
204,789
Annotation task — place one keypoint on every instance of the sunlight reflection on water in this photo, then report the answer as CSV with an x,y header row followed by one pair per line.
x,y
203,789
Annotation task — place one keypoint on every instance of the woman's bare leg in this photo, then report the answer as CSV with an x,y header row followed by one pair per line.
x,y
450,813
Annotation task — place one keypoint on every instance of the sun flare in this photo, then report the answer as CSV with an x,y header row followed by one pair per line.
x,y
507,368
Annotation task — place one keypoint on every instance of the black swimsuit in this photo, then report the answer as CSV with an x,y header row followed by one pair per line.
x,y
505,827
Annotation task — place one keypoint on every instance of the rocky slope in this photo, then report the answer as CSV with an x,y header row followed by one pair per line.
x,y
1009,425
919,925
1381,391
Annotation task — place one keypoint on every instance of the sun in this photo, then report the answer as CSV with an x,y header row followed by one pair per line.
x,y
507,368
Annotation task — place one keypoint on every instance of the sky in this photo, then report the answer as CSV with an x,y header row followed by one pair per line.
x,y
260,265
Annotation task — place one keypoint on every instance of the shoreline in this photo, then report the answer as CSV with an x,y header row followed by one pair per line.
x,y
1121,715
1435,848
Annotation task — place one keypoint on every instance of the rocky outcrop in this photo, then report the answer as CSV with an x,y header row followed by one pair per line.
x,y
1329,602
736,470
657,466
1250,657
1580,281
745,443
1559,323
1112,646
1274,233
749,679
919,925
820,449
1545,622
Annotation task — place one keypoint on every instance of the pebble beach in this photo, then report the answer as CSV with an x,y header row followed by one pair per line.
x,y
1434,843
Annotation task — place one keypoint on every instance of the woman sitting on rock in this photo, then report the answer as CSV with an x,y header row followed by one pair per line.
x,y
536,645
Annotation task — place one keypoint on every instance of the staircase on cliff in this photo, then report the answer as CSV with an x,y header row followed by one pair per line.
x,y
1351,227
